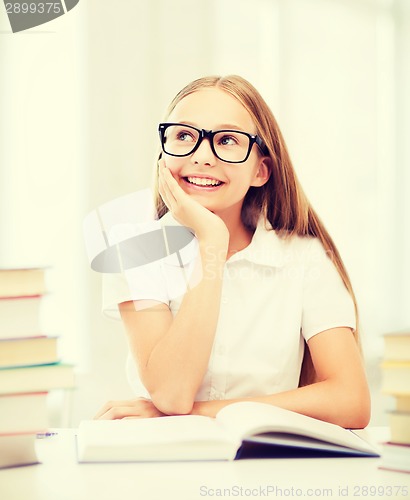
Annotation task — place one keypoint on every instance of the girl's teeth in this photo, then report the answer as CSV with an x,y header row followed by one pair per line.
x,y
200,181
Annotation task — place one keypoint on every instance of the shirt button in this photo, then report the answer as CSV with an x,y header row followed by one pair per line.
x,y
224,300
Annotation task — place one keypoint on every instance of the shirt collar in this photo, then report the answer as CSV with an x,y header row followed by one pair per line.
x,y
265,249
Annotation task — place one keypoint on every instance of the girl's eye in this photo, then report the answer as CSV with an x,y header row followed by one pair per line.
x,y
185,136
228,140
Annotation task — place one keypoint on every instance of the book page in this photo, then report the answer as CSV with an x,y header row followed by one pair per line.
x,y
146,431
247,419
183,437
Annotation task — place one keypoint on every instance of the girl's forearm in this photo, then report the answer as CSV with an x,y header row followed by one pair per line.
x,y
178,362
330,400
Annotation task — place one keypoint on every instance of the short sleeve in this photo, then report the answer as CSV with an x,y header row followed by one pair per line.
x,y
162,280
142,283
326,301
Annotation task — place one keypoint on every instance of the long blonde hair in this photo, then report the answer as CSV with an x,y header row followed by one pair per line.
x,y
281,200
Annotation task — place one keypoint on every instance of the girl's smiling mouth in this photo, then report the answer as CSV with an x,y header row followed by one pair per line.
x,y
202,182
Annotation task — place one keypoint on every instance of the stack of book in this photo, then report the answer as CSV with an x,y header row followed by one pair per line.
x,y
29,365
396,382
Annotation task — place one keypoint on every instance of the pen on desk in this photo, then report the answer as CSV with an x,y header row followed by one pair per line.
x,y
43,435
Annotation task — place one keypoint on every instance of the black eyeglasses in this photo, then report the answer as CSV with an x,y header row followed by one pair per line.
x,y
231,146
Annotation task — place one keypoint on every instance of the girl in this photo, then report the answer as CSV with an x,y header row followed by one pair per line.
x,y
273,318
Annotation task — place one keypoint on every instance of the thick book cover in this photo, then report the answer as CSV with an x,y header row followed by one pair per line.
x,y
28,351
22,282
399,427
40,378
396,457
240,430
20,316
397,346
17,450
23,412
396,377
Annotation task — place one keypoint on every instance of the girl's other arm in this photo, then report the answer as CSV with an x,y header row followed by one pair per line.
x,y
341,395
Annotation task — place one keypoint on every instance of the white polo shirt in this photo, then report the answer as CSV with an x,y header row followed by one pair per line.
x,y
276,293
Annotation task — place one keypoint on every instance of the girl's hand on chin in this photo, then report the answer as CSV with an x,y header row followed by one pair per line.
x,y
188,211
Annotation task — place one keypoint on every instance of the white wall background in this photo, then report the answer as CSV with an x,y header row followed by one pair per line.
x,y
80,100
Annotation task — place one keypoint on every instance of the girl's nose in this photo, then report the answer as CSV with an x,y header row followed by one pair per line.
x,y
204,155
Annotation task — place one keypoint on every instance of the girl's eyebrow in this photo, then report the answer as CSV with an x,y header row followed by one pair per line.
x,y
224,126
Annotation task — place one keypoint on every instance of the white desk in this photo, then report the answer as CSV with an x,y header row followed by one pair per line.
x,y
60,477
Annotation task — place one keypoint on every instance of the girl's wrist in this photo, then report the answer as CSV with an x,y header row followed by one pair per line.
x,y
214,252
211,408
214,236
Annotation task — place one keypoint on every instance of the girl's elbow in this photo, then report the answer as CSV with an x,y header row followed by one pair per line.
x,y
357,419
363,414
172,404
168,400
357,410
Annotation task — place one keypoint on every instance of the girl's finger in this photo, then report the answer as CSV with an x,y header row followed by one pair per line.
x,y
161,182
167,184
170,180
113,404
119,412
118,409
164,192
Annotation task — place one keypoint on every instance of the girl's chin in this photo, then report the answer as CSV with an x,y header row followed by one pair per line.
x,y
205,203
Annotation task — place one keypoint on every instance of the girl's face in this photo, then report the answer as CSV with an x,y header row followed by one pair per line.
x,y
217,185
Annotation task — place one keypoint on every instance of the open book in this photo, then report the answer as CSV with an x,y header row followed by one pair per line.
x,y
238,431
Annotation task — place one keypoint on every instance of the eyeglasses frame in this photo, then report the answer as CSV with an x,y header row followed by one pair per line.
x,y
209,134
